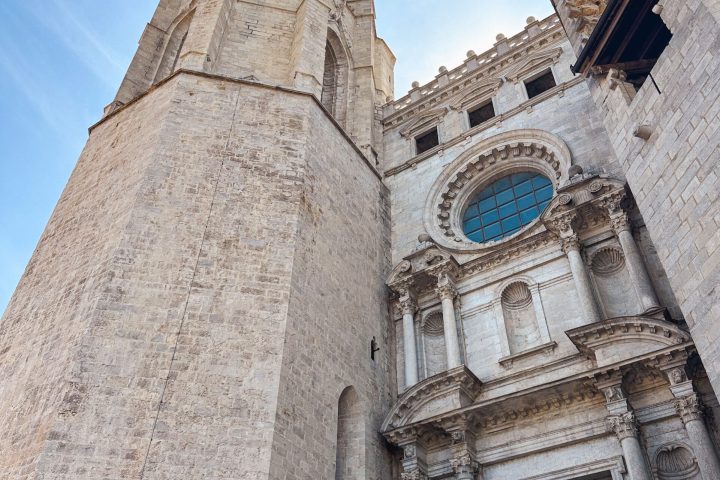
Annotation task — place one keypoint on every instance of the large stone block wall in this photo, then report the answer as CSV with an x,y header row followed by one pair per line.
x,y
673,175
337,305
58,300
168,345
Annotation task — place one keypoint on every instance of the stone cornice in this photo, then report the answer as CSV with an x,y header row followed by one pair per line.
x,y
465,136
505,410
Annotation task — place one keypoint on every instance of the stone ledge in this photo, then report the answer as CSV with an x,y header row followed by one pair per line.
x,y
240,81
507,362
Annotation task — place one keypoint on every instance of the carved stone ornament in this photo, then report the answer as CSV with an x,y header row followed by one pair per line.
x,y
676,461
464,464
409,451
619,222
414,475
624,426
526,149
569,243
614,393
689,408
587,14
446,288
607,261
677,375
407,305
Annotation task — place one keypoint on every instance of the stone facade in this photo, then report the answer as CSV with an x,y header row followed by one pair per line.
x,y
258,270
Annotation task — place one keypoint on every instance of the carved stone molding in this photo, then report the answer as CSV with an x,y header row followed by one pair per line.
x,y
689,408
624,426
483,91
535,62
426,121
415,475
531,150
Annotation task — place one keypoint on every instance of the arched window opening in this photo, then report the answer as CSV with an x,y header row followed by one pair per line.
x,y
520,320
173,48
330,79
335,78
350,453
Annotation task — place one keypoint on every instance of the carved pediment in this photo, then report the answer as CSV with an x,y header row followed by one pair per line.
x,y
482,91
423,122
420,270
582,201
623,338
437,395
535,62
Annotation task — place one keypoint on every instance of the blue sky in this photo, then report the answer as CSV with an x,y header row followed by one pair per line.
x,y
62,60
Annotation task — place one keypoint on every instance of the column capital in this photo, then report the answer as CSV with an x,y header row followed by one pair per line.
x,y
446,287
406,304
624,426
569,243
615,204
690,408
464,464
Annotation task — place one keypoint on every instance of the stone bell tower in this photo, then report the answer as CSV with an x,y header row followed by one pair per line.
x,y
204,297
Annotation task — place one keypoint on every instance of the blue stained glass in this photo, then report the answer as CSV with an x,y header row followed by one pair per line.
x,y
504,207
490,217
505,197
524,202
523,189
507,210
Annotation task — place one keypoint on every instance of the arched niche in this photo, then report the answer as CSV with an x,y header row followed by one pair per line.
x,y
334,96
521,325
676,462
350,446
434,349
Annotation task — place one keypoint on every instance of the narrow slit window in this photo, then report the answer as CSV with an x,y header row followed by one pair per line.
x,y
427,141
542,83
481,114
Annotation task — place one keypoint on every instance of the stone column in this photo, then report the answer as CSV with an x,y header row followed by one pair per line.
x,y
636,267
626,429
446,290
408,306
691,412
571,247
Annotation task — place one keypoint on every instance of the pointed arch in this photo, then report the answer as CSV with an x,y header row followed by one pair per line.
x,y
350,447
174,45
335,78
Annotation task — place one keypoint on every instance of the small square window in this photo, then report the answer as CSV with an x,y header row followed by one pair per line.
x,y
542,83
427,141
481,114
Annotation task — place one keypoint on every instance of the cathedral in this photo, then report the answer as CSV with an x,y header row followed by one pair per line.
x,y
268,266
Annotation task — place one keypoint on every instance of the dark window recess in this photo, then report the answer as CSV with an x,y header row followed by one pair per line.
x,y
540,84
481,114
636,43
426,141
